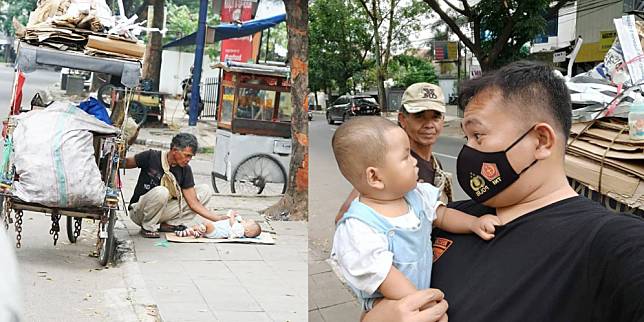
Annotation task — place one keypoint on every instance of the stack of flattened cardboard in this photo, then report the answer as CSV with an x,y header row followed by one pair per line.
x,y
601,155
80,26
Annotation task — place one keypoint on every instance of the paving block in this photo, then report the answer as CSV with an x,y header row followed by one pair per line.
x,y
316,267
238,252
345,312
186,311
315,316
235,298
327,290
232,316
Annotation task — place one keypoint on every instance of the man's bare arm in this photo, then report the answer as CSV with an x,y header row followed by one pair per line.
x,y
190,197
129,163
426,305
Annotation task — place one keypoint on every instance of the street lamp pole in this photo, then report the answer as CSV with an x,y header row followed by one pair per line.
x,y
196,75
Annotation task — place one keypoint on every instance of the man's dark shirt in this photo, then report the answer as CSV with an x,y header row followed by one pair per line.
x,y
426,171
569,261
151,172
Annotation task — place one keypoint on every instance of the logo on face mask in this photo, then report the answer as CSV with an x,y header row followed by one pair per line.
x,y
490,172
478,184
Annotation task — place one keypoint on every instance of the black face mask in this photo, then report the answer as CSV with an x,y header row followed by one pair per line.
x,y
483,175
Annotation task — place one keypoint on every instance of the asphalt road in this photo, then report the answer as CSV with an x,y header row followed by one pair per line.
x,y
328,189
39,79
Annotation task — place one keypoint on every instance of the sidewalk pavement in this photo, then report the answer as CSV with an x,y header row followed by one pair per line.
x,y
220,282
330,300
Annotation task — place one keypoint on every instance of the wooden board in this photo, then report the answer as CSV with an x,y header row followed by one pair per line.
x,y
264,239
116,46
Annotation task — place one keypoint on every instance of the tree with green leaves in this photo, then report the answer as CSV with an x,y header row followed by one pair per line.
x,y
406,70
339,42
391,22
19,9
499,29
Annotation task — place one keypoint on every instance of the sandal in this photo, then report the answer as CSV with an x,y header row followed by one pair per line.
x,y
149,234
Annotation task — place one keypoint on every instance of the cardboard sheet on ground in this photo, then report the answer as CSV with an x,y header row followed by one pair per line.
x,y
265,239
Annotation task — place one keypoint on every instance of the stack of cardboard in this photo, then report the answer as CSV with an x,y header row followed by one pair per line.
x,y
79,25
601,155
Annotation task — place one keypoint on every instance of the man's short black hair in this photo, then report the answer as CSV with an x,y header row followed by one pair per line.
x,y
532,87
184,140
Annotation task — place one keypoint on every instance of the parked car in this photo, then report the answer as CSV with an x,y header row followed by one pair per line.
x,y
347,106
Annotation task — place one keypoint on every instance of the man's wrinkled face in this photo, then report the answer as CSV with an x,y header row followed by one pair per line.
x,y
422,128
182,156
490,125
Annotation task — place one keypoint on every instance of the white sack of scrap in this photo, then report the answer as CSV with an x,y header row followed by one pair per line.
x,y
54,157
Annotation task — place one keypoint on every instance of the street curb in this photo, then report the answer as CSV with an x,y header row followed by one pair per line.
x,y
143,305
166,145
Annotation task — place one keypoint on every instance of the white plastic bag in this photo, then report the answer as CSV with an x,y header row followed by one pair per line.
x,y
54,157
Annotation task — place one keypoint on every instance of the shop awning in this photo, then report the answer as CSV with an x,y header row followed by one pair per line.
x,y
229,30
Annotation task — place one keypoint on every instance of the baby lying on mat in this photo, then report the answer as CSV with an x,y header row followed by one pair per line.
x,y
234,227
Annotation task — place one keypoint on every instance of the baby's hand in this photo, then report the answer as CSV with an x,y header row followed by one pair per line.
x,y
484,226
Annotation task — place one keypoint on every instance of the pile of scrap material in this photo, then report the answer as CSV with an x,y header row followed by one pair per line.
x,y
613,85
602,156
82,25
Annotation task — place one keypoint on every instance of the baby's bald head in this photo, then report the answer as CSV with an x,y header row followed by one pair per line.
x,y
361,143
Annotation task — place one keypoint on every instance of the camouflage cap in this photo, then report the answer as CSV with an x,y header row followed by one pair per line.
x,y
422,97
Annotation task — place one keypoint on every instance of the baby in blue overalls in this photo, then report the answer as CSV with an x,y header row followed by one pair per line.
x,y
382,244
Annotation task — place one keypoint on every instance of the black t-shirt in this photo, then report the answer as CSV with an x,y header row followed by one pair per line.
x,y
426,170
151,172
569,261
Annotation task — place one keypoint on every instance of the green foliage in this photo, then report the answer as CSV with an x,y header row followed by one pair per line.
x,y
529,22
505,25
183,19
338,42
406,70
15,8
276,36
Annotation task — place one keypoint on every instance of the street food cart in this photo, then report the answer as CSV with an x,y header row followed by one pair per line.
x,y
109,150
253,138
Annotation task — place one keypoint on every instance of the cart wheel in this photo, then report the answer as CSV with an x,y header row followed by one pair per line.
x,y
70,230
138,112
107,244
259,173
105,94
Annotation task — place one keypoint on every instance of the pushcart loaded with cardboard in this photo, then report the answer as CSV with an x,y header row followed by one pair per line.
x,y
61,160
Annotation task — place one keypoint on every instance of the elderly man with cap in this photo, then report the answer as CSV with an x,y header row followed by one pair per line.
x,y
422,116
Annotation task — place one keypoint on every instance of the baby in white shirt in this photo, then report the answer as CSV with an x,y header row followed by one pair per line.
x,y
382,244
233,227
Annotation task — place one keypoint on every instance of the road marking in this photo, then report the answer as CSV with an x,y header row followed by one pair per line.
x,y
444,155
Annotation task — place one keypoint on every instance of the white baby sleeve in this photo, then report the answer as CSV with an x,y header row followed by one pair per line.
x,y
362,255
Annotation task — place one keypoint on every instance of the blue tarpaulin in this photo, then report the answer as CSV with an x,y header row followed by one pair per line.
x,y
232,30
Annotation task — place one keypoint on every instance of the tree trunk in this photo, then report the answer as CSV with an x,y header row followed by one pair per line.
x,y
294,204
153,51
